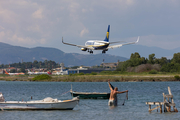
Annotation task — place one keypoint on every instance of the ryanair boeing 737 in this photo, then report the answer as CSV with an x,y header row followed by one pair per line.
x,y
104,45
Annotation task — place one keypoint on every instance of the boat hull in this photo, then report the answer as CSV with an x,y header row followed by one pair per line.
x,y
90,95
60,105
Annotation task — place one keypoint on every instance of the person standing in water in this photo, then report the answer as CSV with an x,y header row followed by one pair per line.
x,y
113,95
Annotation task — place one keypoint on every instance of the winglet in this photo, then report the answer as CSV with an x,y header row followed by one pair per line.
x,y
62,40
137,40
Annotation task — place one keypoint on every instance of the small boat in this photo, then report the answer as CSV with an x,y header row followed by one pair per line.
x,y
45,104
90,95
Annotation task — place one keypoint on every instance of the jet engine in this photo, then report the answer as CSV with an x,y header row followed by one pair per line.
x,y
83,49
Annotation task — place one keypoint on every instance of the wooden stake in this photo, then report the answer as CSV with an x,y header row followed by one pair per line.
x,y
154,108
149,108
160,108
175,109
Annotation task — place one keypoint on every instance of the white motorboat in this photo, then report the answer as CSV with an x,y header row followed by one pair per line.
x,y
45,104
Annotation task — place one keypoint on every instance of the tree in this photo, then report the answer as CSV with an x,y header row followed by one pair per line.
x,y
135,60
135,55
163,61
23,70
12,71
143,60
170,67
151,58
176,58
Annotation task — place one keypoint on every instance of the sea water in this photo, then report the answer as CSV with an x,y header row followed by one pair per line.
x,y
91,109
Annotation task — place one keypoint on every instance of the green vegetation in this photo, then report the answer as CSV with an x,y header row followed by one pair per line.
x,y
125,77
153,65
153,72
79,74
136,64
46,64
137,68
177,77
111,72
93,73
42,77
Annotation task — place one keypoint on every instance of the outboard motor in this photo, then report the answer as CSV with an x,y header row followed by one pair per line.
x,y
1,97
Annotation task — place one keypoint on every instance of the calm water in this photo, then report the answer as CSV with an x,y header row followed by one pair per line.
x,y
88,109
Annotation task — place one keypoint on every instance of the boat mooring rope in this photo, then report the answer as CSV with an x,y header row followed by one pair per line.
x,y
125,98
65,93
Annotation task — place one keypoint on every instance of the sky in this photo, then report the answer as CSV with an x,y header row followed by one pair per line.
x,y
33,23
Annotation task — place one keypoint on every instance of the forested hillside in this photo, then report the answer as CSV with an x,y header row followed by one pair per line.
x,y
14,54
136,63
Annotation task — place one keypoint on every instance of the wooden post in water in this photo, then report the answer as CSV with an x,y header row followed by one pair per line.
x,y
149,107
157,108
158,104
166,102
160,108
169,90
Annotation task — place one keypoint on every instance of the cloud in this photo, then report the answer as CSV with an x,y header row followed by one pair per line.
x,y
162,41
42,23
38,14
7,15
42,41
23,40
2,34
84,31
1,27
34,28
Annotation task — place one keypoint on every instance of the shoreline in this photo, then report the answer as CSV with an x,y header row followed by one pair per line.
x,y
95,78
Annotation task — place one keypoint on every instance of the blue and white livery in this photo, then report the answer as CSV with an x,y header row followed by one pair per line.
x,y
103,45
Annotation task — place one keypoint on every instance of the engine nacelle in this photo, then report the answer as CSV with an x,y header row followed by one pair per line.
x,y
83,49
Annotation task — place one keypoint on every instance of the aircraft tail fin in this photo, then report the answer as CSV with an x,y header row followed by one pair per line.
x,y
107,34
6,72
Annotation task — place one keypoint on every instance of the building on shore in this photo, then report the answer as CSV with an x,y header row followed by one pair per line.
x,y
88,70
109,65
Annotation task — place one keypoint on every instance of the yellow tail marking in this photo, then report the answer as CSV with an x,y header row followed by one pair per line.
x,y
107,35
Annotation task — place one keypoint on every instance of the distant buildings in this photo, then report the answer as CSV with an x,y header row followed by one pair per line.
x,y
109,65
63,71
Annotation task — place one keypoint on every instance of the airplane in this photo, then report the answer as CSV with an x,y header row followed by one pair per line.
x,y
103,45
31,73
38,73
13,73
62,73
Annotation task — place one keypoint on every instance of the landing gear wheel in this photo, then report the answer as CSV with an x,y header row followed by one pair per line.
x,y
103,51
91,52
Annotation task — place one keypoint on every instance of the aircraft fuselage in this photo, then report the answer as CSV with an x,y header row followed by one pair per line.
x,y
97,44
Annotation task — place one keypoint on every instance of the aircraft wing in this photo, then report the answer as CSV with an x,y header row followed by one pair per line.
x,y
80,46
119,45
116,42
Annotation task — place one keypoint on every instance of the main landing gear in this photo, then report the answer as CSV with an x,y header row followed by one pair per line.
x,y
91,52
104,51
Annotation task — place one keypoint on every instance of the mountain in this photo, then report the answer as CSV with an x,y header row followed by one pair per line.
x,y
15,54
144,51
